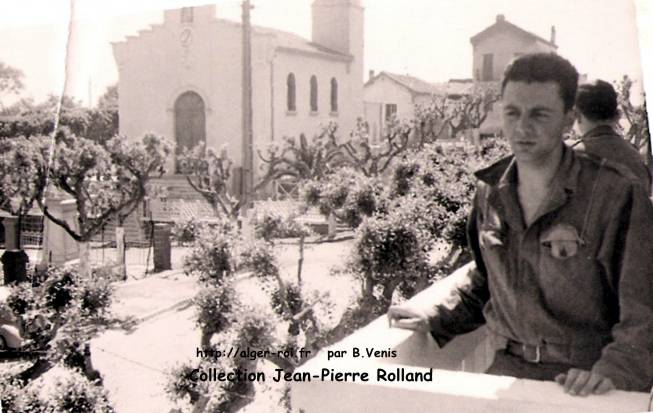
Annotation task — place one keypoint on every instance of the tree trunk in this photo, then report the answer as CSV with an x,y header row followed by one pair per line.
x,y
85,258
332,225
205,340
300,262
120,251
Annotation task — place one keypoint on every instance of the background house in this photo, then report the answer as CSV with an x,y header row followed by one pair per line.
x,y
497,45
387,95
183,78
493,48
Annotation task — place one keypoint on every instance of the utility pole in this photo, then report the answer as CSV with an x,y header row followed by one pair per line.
x,y
247,179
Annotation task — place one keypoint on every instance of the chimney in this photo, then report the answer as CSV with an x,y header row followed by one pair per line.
x,y
553,34
501,18
371,74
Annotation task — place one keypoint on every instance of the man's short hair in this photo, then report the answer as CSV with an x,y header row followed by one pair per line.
x,y
544,67
597,101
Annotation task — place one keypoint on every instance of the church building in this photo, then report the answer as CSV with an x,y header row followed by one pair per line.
x,y
182,79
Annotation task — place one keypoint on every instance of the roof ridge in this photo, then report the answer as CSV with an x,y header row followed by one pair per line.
x,y
513,26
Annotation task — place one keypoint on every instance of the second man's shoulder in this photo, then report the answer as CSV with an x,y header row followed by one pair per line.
x,y
608,169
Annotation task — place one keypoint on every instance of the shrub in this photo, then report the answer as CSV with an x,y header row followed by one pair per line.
x,y
294,300
180,386
258,256
365,198
347,193
59,317
76,394
14,397
96,295
22,299
212,257
70,393
269,225
392,249
214,306
186,232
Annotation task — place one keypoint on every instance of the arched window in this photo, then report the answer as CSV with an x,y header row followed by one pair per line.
x,y
334,95
290,82
313,94
190,121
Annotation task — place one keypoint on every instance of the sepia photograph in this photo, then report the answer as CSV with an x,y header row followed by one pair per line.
x,y
318,206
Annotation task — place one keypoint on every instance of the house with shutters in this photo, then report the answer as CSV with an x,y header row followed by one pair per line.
x,y
182,78
387,94
495,46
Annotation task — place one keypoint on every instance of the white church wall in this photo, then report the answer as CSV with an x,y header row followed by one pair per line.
x,y
303,120
166,60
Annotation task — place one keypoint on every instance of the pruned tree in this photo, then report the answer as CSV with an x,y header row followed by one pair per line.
x,y
637,131
22,180
25,118
22,173
431,121
103,122
471,110
209,172
135,164
302,159
11,80
104,183
371,158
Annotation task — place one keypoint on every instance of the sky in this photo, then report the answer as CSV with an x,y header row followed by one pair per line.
x,y
428,39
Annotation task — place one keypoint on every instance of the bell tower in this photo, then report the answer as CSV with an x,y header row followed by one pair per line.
x,y
338,25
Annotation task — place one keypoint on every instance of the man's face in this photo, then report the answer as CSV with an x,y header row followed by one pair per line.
x,y
534,120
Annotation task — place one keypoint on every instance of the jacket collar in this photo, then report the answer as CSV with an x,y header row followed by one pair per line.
x,y
600,131
504,172
502,179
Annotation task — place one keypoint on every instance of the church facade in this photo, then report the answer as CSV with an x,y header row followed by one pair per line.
x,y
182,79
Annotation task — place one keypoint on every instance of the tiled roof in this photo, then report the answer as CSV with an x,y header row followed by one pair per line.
x,y
500,25
422,87
293,41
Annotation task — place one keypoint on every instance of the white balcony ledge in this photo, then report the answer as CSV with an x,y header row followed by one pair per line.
x,y
457,385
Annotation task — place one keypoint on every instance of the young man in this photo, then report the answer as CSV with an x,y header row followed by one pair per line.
x,y
597,117
564,259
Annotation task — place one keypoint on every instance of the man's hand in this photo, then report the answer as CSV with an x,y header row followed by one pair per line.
x,y
583,382
408,318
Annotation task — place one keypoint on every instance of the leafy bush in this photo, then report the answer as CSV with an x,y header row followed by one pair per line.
x,y
70,393
76,394
214,307
179,385
15,397
96,296
22,299
391,249
59,317
347,193
258,256
269,225
186,232
212,257
293,300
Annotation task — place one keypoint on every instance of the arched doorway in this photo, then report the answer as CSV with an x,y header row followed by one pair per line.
x,y
190,121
